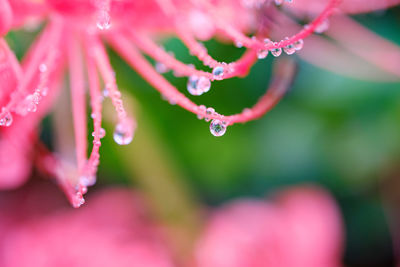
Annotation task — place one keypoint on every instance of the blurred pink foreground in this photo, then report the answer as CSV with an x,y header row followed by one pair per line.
x,y
301,227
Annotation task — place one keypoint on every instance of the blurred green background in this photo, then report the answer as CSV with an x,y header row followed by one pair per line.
x,y
341,133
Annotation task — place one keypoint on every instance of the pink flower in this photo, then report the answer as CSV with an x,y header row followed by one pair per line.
x,y
38,229
302,227
73,39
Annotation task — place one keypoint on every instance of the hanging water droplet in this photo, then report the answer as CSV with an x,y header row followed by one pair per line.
x,y
103,20
217,127
298,45
102,133
6,118
322,27
77,200
201,108
44,91
42,67
278,2
289,49
262,53
198,85
218,72
209,111
123,133
276,52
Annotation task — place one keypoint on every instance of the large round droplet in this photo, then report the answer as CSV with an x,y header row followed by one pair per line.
x,y
198,85
217,127
218,72
123,133
6,118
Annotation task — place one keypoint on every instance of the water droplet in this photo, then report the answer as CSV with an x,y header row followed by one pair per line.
x,y
218,72
201,108
217,127
262,53
77,200
87,180
209,111
6,118
42,67
238,44
298,45
322,27
289,49
102,133
103,20
278,2
161,67
198,85
106,93
276,52
123,133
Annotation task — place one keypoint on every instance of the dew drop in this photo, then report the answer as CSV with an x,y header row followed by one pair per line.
x,y
198,85
322,27
218,72
123,133
6,118
278,2
276,52
103,20
217,127
238,44
298,45
77,200
161,67
102,133
87,180
289,49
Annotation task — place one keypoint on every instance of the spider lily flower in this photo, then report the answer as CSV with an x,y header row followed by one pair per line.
x,y
73,39
302,227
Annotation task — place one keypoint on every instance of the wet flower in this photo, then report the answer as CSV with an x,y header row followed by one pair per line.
x,y
73,39
301,228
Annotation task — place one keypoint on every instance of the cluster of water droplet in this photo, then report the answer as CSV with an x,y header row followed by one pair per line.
x,y
289,49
